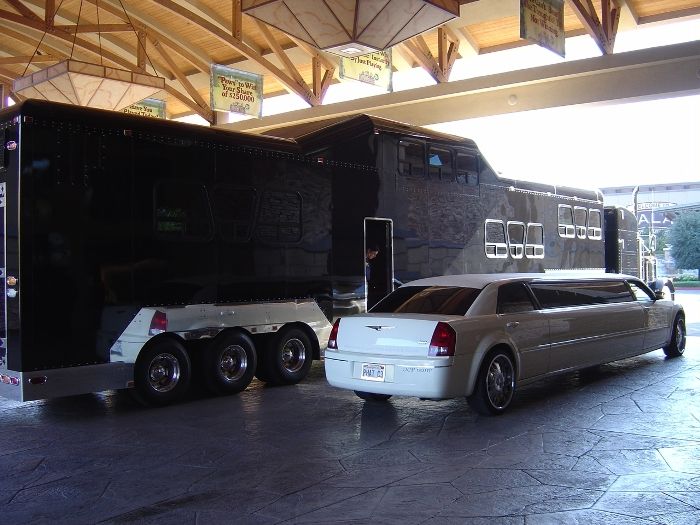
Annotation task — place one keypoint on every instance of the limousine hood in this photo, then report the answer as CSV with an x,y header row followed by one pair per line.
x,y
395,335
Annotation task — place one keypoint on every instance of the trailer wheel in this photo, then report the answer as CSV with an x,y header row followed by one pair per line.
x,y
288,357
162,372
229,363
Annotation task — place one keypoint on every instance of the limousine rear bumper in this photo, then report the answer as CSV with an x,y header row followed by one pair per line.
x,y
430,378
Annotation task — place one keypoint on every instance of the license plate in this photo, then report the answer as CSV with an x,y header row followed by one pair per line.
x,y
372,372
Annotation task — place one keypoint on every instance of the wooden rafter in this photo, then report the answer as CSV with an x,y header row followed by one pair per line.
x,y
236,20
319,61
49,12
603,33
23,9
289,82
94,28
448,50
26,58
202,108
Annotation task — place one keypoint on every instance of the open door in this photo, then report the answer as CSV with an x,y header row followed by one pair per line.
x,y
379,259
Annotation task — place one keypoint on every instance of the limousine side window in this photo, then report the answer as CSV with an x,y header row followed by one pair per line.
x,y
562,295
566,221
514,298
495,239
640,294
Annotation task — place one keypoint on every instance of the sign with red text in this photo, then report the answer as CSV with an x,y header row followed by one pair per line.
x,y
542,22
372,68
236,91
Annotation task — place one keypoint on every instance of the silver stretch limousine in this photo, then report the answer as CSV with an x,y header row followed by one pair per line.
x,y
481,335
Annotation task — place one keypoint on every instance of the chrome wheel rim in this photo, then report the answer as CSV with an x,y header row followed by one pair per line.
x,y
500,381
680,336
233,363
293,355
163,372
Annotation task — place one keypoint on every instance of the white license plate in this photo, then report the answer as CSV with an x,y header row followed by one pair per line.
x,y
372,372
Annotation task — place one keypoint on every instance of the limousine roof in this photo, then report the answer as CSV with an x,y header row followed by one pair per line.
x,y
480,280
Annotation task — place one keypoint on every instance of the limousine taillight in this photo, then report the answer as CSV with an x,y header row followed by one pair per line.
x,y
333,338
443,341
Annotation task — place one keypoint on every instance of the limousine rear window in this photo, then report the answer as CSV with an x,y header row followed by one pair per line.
x,y
561,295
445,300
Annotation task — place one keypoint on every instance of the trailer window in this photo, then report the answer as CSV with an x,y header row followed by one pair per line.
x,y
411,158
440,164
234,211
534,242
279,219
182,211
566,221
495,239
580,221
595,225
467,169
516,239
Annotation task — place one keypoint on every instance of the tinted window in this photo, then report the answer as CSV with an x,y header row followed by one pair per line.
x,y
513,298
411,158
279,219
446,300
181,211
559,295
467,169
641,293
440,164
234,210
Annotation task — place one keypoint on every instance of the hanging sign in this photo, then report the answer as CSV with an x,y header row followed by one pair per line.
x,y
148,107
542,22
373,68
236,91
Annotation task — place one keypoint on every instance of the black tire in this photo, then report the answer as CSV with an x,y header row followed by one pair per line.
x,y
229,363
495,384
677,345
162,372
287,358
370,396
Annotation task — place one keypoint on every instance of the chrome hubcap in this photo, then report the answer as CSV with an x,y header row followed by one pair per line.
x,y
293,355
233,363
500,381
163,372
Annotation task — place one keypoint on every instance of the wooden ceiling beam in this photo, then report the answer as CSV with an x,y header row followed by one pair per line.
x,y
290,83
207,115
236,20
289,67
23,9
603,33
27,58
49,12
204,108
95,28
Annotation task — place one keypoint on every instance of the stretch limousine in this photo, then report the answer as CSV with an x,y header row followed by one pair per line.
x,y
481,335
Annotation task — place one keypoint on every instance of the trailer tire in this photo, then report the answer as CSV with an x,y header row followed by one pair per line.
x,y
287,358
162,372
229,363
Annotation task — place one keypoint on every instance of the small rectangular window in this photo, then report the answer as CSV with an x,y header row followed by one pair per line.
x,y
566,221
467,169
495,239
440,164
562,295
411,158
182,211
516,239
595,224
534,242
279,218
580,221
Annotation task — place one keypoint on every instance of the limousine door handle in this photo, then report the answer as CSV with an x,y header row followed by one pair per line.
x,y
512,324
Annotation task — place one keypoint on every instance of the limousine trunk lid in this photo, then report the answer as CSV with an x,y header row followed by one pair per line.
x,y
387,335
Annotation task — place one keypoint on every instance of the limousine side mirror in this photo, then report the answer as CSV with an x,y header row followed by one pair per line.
x,y
659,294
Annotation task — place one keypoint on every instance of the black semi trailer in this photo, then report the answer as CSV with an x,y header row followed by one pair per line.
x,y
132,247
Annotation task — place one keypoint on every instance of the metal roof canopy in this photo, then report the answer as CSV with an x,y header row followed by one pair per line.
x,y
650,73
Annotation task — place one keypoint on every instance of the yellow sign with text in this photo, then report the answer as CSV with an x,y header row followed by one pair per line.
x,y
373,68
236,91
542,22
148,107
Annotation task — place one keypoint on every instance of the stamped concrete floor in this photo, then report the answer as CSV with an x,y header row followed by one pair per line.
x,y
619,445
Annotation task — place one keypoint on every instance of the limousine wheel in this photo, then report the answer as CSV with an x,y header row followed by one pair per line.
x,y
677,345
229,363
495,384
371,396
